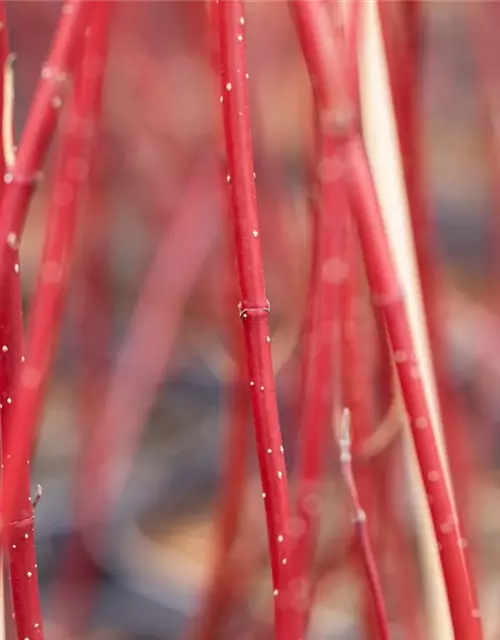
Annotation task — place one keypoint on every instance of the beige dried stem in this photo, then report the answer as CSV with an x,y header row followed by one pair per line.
x,y
8,112
384,156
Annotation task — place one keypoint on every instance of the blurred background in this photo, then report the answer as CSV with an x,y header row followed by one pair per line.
x,y
153,237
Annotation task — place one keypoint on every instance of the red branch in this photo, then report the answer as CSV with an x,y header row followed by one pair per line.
x,y
254,310
363,537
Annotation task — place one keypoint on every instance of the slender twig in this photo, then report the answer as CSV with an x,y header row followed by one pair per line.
x,y
254,310
359,517
317,397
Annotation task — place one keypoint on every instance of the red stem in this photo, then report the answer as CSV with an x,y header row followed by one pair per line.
x,y
44,325
40,125
322,323
387,293
403,55
18,186
328,274
20,532
329,74
4,54
254,308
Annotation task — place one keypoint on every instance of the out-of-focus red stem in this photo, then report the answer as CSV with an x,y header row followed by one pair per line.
x,y
40,124
146,350
254,310
482,21
132,386
233,481
18,186
358,395
328,273
363,537
18,533
322,323
71,170
4,56
397,545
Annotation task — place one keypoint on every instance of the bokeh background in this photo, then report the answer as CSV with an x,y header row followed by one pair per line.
x,y
145,579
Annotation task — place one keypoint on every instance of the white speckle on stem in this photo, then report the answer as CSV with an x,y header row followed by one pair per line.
x,y
446,527
30,378
269,451
5,348
263,496
29,574
229,86
280,475
262,388
433,476
240,38
252,383
284,561
12,240
247,76
255,233
16,268
280,538
275,592
242,20
415,373
221,99
56,102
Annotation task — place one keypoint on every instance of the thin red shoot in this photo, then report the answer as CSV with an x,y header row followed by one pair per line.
x,y
254,311
363,537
